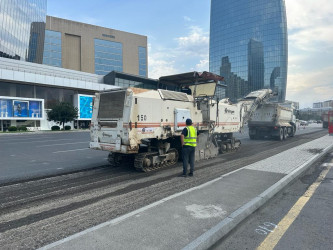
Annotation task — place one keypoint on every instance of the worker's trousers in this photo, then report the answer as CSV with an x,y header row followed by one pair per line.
x,y
188,157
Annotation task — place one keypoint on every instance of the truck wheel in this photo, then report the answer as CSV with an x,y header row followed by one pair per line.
x,y
293,131
252,133
281,136
285,133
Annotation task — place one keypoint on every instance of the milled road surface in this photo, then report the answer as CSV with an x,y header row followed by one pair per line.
x,y
36,213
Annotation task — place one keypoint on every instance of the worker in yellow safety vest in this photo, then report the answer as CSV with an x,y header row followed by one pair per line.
x,y
189,142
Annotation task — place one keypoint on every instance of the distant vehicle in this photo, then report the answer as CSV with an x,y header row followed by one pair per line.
x,y
319,122
304,123
274,120
325,119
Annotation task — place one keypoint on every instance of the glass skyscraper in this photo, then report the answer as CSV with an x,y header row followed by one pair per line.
x,y
248,45
22,29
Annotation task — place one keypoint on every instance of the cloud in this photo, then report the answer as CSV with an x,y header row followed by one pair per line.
x,y
160,67
308,13
202,66
295,61
310,87
190,53
310,25
313,39
195,43
188,19
160,62
310,39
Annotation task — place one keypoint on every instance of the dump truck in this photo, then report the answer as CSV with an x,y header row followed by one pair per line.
x,y
143,127
275,120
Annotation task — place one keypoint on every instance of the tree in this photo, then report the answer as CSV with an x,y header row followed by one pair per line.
x,y
62,112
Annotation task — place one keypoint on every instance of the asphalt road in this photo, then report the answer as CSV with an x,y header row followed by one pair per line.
x,y
36,155
300,217
35,213
300,130
25,156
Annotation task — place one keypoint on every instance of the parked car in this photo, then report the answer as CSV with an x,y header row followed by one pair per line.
x,y
303,123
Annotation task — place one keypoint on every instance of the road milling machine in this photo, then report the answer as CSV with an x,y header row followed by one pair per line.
x,y
143,127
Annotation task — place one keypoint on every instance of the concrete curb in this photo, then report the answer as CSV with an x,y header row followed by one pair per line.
x,y
213,235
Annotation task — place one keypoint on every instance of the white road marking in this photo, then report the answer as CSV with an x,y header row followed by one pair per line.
x,y
26,138
59,168
70,150
327,164
42,146
268,227
37,141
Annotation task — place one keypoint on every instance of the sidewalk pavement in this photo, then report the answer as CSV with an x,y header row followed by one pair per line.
x,y
200,216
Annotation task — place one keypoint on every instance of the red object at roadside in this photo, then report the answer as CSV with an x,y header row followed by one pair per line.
x,y
330,122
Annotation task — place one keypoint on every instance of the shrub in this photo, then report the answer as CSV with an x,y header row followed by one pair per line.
x,y
55,128
22,128
67,127
12,128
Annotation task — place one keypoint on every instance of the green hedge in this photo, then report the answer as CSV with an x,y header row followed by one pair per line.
x,y
22,128
67,127
12,128
55,128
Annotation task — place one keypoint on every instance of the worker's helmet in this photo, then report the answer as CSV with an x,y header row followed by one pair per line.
x,y
188,121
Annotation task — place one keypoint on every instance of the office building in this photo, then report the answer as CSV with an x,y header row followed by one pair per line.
x,y
93,49
28,90
46,60
248,46
27,34
317,110
325,104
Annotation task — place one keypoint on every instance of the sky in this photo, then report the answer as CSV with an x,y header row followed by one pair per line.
x,y
178,37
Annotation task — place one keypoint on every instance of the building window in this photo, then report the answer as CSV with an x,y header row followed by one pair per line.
x,y
52,48
131,83
108,56
143,61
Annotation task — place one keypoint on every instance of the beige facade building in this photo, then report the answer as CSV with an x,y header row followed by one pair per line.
x,y
93,49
